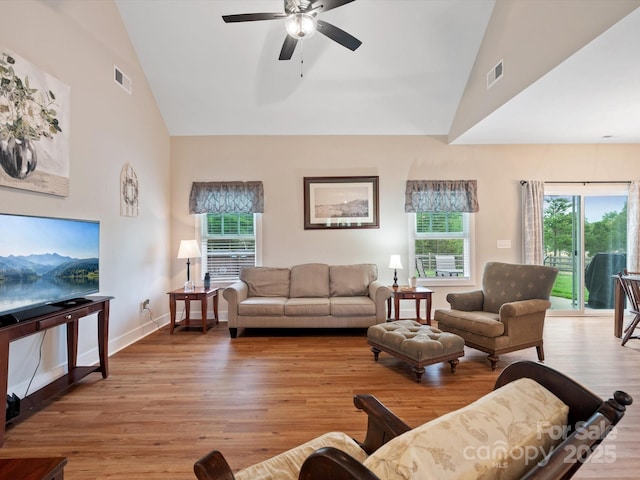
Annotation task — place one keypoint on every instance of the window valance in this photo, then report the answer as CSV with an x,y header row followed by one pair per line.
x,y
441,196
226,197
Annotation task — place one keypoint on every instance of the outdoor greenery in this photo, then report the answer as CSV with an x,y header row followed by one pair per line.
x,y
607,235
438,223
230,224
562,288
232,232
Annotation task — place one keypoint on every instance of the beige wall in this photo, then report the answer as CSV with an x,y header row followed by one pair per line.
x,y
532,41
282,162
79,43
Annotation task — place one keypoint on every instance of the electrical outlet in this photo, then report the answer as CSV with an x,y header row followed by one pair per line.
x,y
144,304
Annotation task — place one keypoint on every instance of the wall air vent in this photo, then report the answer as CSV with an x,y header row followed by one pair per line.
x,y
122,79
495,74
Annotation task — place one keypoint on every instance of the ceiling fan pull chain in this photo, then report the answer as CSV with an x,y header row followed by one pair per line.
x,y
301,59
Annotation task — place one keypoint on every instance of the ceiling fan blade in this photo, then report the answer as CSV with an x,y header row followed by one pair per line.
x,y
252,17
324,5
288,47
338,35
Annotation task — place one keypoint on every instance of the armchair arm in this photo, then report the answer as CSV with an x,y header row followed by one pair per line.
x,y
383,424
331,463
234,294
524,307
524,320
466,301
213,466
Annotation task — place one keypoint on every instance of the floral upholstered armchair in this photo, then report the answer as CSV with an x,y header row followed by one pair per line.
x,y
507,314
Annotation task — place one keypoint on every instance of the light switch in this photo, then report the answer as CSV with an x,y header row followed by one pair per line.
x,y
504,243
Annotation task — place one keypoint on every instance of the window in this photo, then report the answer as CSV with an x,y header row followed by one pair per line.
x,y
585,237
441,228
441,244
229,243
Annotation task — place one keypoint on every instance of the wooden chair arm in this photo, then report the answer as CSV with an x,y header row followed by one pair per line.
x,y
569,456
331,463
590,419
383,424
213,466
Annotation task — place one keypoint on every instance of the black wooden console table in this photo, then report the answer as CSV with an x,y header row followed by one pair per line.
x,y
69,313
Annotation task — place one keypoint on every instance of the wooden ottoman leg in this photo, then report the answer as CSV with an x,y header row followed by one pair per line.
x,y
454,363
418,371
376,352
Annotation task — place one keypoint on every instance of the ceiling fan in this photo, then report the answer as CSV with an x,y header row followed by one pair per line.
x,y
301,22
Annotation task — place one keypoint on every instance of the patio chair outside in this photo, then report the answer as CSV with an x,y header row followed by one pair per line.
x,y
446,266
420,268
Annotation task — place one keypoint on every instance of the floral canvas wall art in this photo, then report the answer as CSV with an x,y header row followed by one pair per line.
x,y
34,127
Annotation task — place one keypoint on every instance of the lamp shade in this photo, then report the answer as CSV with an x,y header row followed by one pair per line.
x,y
188,249
395,262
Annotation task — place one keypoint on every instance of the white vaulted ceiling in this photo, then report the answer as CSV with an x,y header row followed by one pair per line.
x,y
407,78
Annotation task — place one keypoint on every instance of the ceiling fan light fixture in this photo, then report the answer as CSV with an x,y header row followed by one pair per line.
x,y
301,25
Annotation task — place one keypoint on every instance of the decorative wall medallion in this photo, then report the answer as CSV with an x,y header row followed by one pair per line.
x,y
128,192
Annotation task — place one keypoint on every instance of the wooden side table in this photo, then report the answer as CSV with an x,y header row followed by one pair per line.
x,y
410,293
198,294
33,468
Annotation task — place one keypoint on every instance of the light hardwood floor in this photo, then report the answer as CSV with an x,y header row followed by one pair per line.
x,y
172,398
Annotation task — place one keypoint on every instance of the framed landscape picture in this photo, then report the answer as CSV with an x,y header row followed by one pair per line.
x,y
341,202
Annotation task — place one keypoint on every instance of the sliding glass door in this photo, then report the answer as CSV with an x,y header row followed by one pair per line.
x,y
585,237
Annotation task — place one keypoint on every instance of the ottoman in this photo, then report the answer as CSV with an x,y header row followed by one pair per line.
x,y
416,344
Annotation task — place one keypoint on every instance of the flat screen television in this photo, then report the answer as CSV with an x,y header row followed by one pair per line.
x,y
46,261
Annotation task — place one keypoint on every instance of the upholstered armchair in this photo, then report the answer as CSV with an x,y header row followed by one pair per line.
x,y
506,315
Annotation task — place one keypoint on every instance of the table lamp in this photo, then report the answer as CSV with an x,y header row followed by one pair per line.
x,y
188,249
396,264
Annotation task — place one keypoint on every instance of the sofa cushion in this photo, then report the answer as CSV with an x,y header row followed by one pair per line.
x,y
307,307
262,306
506,282
287,465
501,435
352,307
266,281
309,280
485,324
351,280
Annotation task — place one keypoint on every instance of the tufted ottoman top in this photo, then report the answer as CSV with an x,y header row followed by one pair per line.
x,y
416,341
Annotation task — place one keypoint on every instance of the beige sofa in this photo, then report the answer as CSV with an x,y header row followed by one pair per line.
x,y
312,295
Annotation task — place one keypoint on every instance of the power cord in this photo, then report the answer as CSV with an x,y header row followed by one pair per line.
x,y
147,309
38,365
